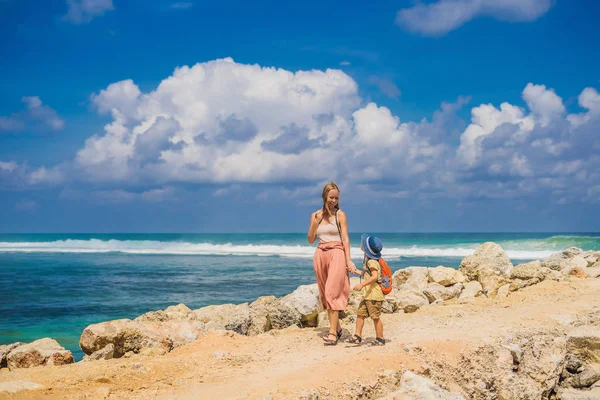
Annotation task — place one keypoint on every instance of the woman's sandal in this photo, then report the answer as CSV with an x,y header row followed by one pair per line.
x,y
378,342
330,342
339,335
355,339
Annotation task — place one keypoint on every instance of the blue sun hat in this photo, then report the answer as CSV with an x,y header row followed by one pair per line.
x,y
372,246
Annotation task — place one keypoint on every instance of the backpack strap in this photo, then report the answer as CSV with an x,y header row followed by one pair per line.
x,y
337,224
368,270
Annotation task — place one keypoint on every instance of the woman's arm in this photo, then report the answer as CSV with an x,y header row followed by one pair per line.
x,y
315,220
346,241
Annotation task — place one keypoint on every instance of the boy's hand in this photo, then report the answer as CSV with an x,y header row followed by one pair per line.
x,y
358,287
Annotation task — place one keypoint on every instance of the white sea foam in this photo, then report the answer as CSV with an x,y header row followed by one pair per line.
x,y
186,248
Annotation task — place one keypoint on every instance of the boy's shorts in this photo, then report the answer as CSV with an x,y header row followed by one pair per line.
x,y
369,308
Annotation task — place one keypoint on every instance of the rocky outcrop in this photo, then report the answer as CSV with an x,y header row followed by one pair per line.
x,y
489,256
260,311
445,276
179,312
577,262
488,272
232,317
435,291
526,367
164,329
581,364
491,281
593,272
583,344
557,260
574,262
407,298
126,336
545,364
591,257
304,303
572,394
105,353
4,350
41,352
12,387
530,270
418,277
548,354
178,324
471,289
415,387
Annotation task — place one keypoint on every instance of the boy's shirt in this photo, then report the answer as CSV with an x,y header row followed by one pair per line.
x,y
372,291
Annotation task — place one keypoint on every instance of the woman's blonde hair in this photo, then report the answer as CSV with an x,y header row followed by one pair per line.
x,y
329,187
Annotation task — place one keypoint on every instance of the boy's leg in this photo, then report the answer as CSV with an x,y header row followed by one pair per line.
x,y
375,308
361,314
378,327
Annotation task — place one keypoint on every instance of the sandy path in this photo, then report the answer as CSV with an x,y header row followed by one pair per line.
x,y
283,364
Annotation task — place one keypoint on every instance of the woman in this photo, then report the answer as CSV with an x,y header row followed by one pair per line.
x,y
332,260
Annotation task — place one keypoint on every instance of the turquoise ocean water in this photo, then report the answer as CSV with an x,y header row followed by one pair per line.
x,y
54,285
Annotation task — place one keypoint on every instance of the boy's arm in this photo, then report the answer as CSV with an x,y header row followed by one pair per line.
x,y
374,277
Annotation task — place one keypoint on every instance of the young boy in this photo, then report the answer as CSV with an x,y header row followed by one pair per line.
x,y
372,301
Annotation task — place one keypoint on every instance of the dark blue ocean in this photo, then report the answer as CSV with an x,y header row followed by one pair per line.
x,y
54,285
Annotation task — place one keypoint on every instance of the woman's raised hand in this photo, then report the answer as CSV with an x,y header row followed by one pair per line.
x,y
318,216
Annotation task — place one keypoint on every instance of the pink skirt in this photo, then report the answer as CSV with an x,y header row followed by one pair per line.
x,y
332,278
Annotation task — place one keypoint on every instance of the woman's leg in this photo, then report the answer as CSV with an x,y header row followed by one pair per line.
x,y
334,321
337,285
320,266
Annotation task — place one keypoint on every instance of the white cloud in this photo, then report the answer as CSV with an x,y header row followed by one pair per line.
x,y
118,98
120,196
590,100
386,86
543,150
304,195
8,166
43,175
229,122
11,124
82,11
544,103
485,120
443,16
46,115
36,115
22,176
222,123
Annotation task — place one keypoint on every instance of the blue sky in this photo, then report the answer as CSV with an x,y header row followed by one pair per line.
x,y
447,115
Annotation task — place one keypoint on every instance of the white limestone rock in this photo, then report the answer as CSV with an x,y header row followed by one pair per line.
x,y
445,276
489,256
44,351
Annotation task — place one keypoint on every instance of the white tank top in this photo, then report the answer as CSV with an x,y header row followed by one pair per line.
x,y
328,232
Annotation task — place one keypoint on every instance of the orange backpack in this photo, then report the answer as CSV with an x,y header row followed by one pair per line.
x,y
385,280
